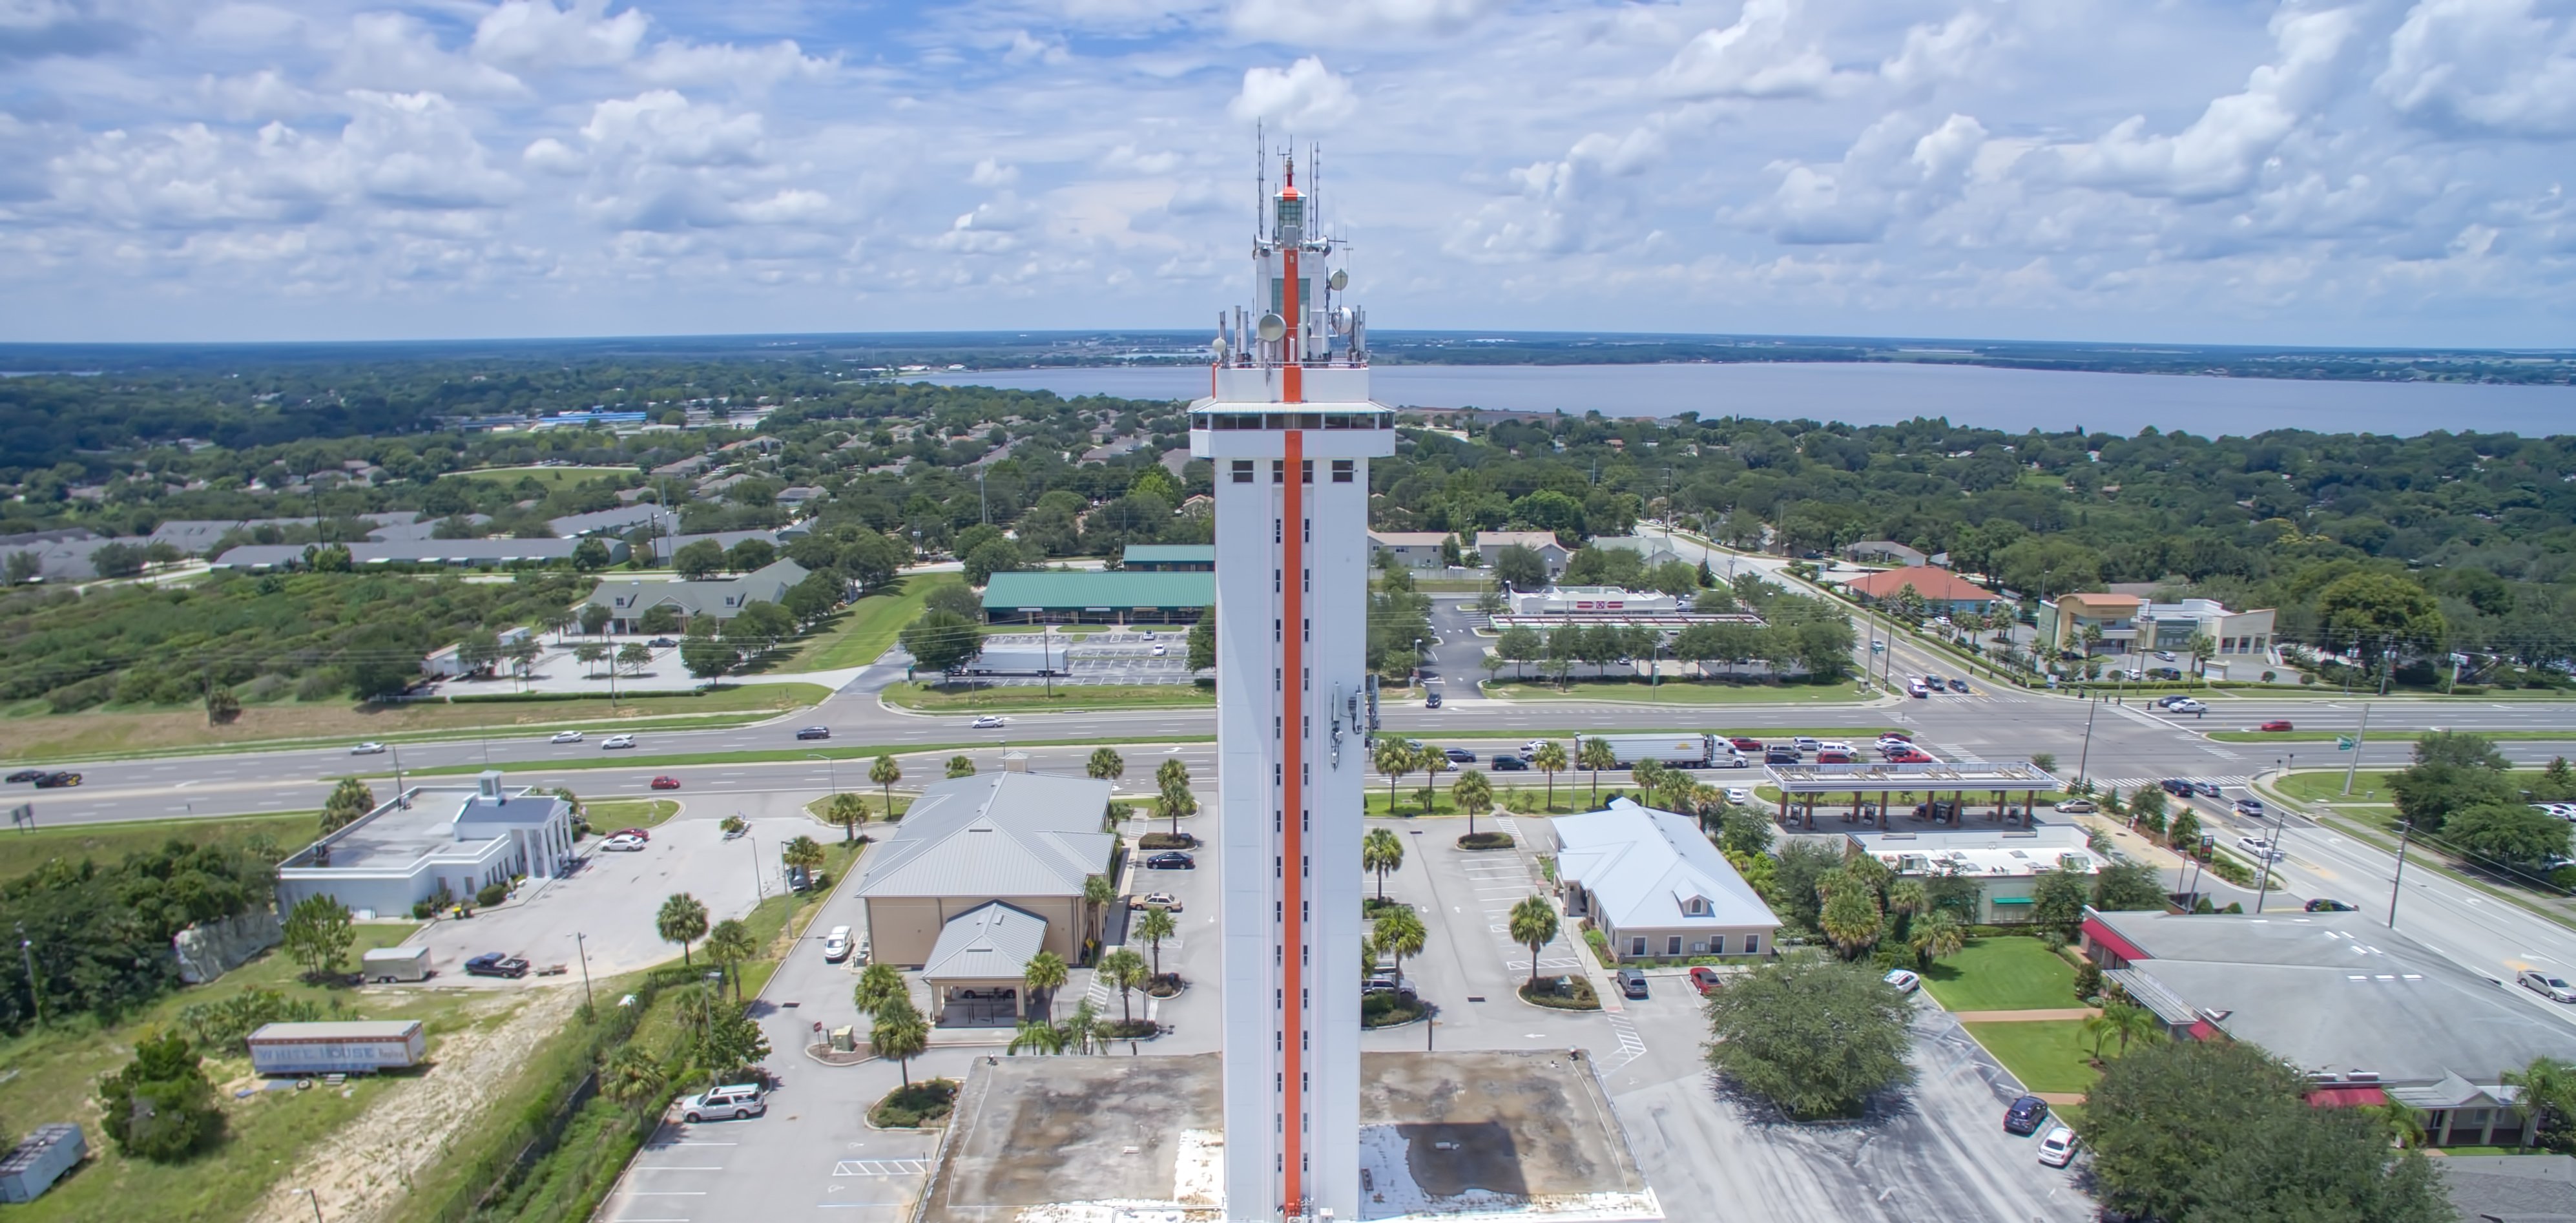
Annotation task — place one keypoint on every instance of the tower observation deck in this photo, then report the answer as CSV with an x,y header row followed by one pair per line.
x,y
1290,427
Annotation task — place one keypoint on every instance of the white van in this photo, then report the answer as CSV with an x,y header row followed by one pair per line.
x,y
836,945
737,1101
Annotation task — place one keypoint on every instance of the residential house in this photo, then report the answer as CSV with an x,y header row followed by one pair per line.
x,y
1885,552
627,599
1490,544
1655,886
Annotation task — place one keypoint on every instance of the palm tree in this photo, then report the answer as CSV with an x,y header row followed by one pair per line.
x,y
805,854
683,920
885,772
2548,1094
1045,975
2099,1028
1851,919
1096,895
1155,926
1173,801
1549,759
1172,775
960,766
1400,933
2133,1023
849,811
2201,649
900,1033
880,985
1394,758
1381,851
1533,925
1473,794
728,945
1433,762
1368,954
1906,896
1125,970
1936,937
1105,765
1082,1028
1595,754
1644,774
1036,1036
2405,1126
632,1077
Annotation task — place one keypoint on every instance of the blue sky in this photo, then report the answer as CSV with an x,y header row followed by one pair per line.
x,y
2181,170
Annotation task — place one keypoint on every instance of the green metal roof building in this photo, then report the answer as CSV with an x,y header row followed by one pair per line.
x,y
1086,597
1170,558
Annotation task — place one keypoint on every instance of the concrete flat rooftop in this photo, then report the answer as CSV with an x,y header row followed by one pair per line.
x,y
1520,1136
398,837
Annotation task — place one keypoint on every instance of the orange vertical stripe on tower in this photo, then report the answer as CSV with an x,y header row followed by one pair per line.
x,y
1293,768
1292,380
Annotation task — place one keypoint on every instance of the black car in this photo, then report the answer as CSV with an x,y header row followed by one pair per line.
x,y
1781,755
2176,786
56,781
1505,762
1458,755
661,643
815,732
495,964
1171,860
2323,904
1958,685
1432,701
1632,983
26,774
2026,1115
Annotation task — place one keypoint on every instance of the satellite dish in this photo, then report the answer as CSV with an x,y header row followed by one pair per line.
x,y
1341,280
1341,318
1272,328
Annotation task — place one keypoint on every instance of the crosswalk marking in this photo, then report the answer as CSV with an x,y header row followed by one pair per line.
x,y
881,1167
2130,783
1631,1045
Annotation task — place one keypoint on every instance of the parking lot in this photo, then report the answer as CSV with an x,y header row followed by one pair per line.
x,y
1125,656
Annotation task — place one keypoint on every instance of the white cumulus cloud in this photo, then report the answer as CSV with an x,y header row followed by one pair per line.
x,y
1304,97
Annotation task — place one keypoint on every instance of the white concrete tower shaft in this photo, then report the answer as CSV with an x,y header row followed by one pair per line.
x,y
1290,428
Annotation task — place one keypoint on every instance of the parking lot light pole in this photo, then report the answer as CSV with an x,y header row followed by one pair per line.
x,y
756,881
2405,830
582,951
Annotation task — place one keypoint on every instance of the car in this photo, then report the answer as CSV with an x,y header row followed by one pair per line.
x,y
1458,755
2025,1114
737,1101
661,643
622,845
2078,806
814,732
2164,656
1780,754
1171,860
1909,756
1155,900
2250,808
666,782
2134,675
2258,848
1958,685
566,736
1632,983
2167,702
2058,1149
2548,985
1505,762
1703,979
1830,756
2175,786
616,743
2325,904
987,722
2276,725
1147,635
1903,736
1918,691
2186,705
2205,789
496,964
369,748
1744,744
1739,794
1932,682
836,945
58,780
1903,979
1161,650
1807,743
26,774
637,833
1386,981
1834,745
1737,760
1531,748
1432,701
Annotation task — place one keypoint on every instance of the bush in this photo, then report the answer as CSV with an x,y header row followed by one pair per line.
x,y
1386,1010
1372,907
1164,840
1485,840
491,894
422,909
1571,992
1128,1029
922,1103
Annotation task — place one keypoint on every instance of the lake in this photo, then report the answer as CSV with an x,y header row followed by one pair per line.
x,y
1886,393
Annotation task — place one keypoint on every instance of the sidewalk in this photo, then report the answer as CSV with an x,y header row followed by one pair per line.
x,y
2040,1016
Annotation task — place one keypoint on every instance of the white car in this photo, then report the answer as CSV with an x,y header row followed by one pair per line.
x,y
367,749
1834,745
1903,979
615,742
737,1101
623,844
987,722
566,736
1739,795
836,945
2188,705
2258,848
1160,649
2058,1149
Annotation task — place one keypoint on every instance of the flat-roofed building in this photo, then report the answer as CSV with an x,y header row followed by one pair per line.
x,y
1098,597
1169,558
433,839
2004,863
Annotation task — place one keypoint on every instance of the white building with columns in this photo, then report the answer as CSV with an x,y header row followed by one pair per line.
x,y
430,839
1290,427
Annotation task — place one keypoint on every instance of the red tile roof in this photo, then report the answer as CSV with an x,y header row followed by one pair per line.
x,y
1939,585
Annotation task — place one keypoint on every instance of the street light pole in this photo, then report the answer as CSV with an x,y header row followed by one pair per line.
x,y
399,800
2405,830
757,882
582,947
2355,763
2086,756
27,950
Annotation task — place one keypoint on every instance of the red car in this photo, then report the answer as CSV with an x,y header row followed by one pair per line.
x,y
666,783
1743,744
1909,757
2275,724
1703,979
1833,758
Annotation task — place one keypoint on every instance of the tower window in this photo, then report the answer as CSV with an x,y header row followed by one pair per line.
x,y
1342,471
1243,471
1279,471
1306,471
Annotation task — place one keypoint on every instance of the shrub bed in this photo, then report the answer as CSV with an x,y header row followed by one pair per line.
x,y
1166,840
1485,840
1572,992
927,1102
1128,1029
1168,985
1389,1010
1372,907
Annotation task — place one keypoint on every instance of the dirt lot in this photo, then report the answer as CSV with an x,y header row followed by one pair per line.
x,y
365,1167
38,735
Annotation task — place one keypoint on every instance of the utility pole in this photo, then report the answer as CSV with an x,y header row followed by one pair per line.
x,y
2405,830
402,802
27,950
582,945
2084,757
2355,763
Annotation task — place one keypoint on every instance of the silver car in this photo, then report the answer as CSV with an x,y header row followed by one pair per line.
x,y
2554,988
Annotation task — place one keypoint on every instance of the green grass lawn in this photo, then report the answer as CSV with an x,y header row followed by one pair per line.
x,y
50,1075
22,852
866,629
2369,786
1674,691
2048,1055
981,698
554,478
2003,974
630,812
